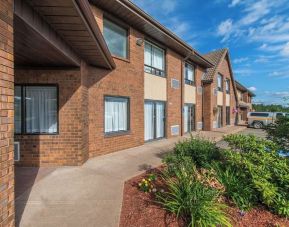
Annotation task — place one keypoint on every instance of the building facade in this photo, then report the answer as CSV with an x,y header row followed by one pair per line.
x,y
85,78
245,98
220,106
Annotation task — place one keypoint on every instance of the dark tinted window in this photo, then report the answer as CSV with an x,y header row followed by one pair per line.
x,y
279,115
259,114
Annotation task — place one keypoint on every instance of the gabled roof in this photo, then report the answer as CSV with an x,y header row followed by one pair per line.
x,y
241,87
216,58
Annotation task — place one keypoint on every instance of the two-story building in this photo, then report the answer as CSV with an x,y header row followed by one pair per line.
x,y
220,94
84,78
245,97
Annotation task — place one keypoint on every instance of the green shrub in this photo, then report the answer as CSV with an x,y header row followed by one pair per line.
x,y
188,198
201,151
279,133
237,187
266,172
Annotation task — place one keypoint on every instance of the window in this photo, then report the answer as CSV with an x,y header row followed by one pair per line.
x,y
154,112
220,82
116,38
154,59
228,115
189,118
36,109
279,115
189,74
227,86
259,114
116,114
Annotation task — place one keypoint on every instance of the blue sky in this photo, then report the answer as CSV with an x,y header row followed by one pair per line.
x,y
255,31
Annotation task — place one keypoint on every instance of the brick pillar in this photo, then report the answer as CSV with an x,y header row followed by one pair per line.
x,y
6,114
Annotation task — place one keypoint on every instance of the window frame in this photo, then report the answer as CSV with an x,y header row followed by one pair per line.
x,y
228,91
120,132
222,81
187,81
114,21
153,69
23,108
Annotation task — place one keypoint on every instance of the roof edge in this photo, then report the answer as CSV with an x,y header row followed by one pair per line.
x,y
157,24
84,8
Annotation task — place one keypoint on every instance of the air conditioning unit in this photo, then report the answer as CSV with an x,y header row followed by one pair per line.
x,y
16,151
175,84
175,130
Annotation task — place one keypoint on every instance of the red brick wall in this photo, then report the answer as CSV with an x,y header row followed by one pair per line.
x,y
211,99
6,114
126,80
174,96
69,147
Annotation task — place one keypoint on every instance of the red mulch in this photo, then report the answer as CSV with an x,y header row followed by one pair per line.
x,y
140,210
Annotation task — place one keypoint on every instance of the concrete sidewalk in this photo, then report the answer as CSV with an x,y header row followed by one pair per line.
x,y
89,195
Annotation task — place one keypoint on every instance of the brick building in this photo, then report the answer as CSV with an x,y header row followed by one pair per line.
x,y
245,97
220,107
94,77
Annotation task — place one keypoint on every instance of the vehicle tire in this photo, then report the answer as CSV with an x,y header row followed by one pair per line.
x,y
257,125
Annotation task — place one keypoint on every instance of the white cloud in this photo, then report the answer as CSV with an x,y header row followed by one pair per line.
x,y
234,3
254,12
252,88
280,74
168,6
280,94
285,50
240,60
225,29
161,7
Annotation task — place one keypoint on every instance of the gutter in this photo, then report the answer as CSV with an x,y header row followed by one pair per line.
x,y
151,20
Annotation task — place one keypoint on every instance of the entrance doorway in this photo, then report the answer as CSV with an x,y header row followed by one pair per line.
x,y
220,117
189,118
154,120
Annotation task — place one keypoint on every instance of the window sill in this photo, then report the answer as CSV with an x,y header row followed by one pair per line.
x,y
191,83
156,74
121,58
36,134
114,134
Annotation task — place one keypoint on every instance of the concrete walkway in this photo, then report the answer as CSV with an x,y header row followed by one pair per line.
x,y
89,195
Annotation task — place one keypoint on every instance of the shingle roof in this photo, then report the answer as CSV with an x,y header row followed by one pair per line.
x,y
214,57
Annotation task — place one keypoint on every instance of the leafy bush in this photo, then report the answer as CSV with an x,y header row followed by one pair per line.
x,y
201,151
190,199
262,169
237,187
279,133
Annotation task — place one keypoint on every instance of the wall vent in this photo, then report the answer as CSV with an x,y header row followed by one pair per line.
x,y
199,125
199,90
215,91
175,130
175,84
16,151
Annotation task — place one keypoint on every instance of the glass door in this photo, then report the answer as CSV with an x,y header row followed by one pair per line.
x,y
189,118
220,117
154,120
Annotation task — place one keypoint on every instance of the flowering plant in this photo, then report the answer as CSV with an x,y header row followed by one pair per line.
x,y
146,184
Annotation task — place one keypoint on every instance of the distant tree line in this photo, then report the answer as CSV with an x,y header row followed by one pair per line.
x,y
270,108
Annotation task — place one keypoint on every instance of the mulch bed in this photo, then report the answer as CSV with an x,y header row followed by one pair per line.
x,y
140,210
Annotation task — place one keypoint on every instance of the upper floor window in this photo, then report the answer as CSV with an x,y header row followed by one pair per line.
x,y
116,38
220,82
228,86
189,74
154,60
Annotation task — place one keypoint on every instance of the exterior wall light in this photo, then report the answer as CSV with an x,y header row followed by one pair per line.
x,y
139,42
